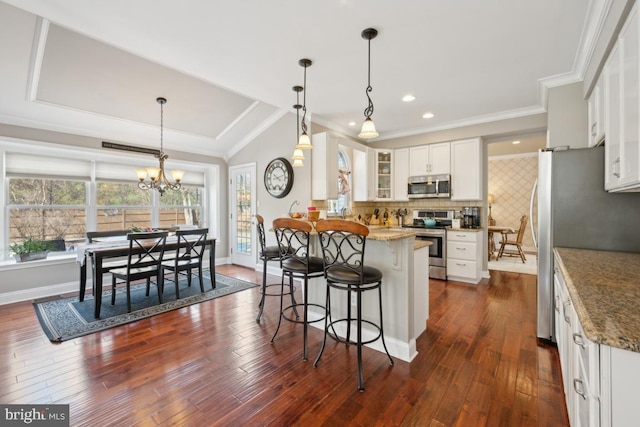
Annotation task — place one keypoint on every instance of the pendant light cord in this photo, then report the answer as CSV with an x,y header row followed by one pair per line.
x,y
304,101
368,112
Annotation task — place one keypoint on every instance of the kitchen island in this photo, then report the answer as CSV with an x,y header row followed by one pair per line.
x,y
405,290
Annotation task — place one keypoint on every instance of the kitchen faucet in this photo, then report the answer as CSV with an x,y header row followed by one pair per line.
x,y
346,210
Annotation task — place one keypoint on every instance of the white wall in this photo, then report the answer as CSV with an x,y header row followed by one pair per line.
x,y
568,117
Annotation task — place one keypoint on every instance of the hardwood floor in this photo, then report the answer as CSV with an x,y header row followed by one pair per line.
x,y
479,364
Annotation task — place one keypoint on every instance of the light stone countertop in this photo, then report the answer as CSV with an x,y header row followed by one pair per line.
x,y
389,233
605,290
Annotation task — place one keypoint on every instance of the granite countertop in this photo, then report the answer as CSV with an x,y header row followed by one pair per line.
x,y
389,233
605,290
470,230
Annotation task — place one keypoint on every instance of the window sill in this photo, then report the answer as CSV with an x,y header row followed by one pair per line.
x,y
52,259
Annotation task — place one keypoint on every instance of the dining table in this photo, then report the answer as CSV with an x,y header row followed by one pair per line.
x,y
496,229
118,247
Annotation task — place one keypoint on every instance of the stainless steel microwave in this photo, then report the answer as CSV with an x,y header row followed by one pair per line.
x,y
429,186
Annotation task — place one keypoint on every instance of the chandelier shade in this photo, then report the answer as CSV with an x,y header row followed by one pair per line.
x,y
157,177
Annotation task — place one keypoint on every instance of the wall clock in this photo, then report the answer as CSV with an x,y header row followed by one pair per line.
x,y
278,177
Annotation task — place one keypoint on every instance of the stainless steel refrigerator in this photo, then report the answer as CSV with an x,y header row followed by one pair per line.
x,y
575,211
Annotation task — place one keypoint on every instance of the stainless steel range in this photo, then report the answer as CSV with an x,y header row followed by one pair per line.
x,y
437,234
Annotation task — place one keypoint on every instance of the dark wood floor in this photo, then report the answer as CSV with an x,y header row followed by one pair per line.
x,y
211,364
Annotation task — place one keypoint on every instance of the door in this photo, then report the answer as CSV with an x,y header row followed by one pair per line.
x,y
242,206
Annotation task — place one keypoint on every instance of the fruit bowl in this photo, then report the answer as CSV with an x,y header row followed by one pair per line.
x,y
296,215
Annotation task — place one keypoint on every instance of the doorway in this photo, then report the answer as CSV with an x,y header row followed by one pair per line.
x,y
242,206
511,175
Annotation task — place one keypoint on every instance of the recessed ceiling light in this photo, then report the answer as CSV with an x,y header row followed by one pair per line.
x,y
515,142
352,123
408,98
427,115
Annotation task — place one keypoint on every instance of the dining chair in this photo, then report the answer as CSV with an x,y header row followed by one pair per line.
x,y
97,236
343,244
508,240
296,262
144,259
188,256
269,253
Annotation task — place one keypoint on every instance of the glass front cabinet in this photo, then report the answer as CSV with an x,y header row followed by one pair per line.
x,y
383,174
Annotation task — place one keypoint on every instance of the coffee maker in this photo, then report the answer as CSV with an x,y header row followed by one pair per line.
x,y
470,217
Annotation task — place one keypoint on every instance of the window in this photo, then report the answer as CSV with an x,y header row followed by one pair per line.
x,y
53,197
182,207
121,206
336,206
46,209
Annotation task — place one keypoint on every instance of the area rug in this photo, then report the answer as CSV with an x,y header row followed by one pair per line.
x,y
63,319
515,265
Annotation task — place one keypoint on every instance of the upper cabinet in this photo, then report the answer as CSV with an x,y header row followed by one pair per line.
x,y
596,114
432,159
466,169
360,176
400,174
383,174
621,81
324,166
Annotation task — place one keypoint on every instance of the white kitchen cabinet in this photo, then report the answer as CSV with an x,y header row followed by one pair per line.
x,y
600,381
464,256
324,166
400,174
360,176
612,120
621,79
596,114
383,174
431,159
466,169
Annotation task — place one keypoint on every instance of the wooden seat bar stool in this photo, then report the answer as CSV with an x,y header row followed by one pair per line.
x,y
296,263
269,253
343,244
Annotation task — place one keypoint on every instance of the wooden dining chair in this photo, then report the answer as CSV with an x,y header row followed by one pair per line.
x,y
508,240
187,257
143,262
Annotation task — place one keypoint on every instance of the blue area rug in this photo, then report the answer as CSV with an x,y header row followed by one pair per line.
x,y
63,319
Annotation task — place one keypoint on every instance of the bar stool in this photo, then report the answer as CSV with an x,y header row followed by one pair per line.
x,y
293,241
269,253
343,244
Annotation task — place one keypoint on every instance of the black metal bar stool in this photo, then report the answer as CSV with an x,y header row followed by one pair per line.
x,y
269,253
343,244
293,241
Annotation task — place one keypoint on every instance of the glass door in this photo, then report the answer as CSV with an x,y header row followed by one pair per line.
x,y
242,204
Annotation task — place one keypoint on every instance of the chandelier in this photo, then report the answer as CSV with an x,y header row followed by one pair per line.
x,y
157,178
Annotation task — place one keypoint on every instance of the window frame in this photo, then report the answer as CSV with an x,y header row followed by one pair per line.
x,y
208,172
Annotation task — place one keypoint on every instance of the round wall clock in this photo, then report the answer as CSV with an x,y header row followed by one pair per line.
x,y
278,177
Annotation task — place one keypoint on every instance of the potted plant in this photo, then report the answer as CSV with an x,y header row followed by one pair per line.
x,y
30,250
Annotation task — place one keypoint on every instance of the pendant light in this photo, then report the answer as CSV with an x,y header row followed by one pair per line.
x,y
157,177
368,128
298,155
304,142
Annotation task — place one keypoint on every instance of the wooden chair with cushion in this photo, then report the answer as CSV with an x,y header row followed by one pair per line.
x,y
508,240
188,256
296,262
143,262
343,243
